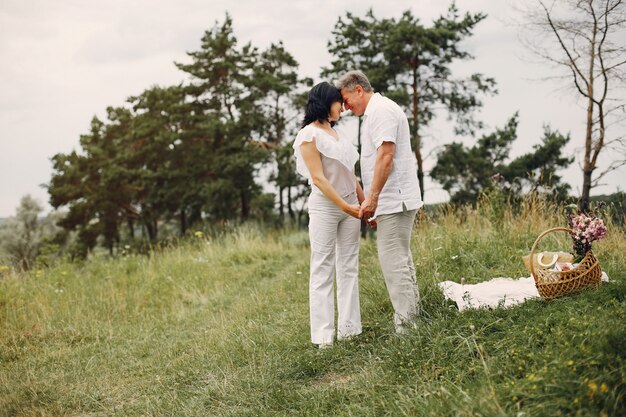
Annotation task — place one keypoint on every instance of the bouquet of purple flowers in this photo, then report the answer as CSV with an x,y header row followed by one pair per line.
x,y
586,228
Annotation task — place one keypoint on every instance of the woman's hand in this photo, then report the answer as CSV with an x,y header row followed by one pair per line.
x,y
353,210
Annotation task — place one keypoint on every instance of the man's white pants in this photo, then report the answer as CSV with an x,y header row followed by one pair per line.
x,y
393,237
334,237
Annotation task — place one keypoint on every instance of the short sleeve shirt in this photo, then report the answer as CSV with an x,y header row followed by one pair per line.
x,y
385,121
338,158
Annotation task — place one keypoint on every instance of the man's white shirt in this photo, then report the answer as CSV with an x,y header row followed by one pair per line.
x,y
385,121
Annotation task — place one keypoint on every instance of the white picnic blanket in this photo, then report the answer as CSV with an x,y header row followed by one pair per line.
x,y
497,292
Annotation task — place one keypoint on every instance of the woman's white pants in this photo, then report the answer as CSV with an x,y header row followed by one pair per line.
x,y
334,237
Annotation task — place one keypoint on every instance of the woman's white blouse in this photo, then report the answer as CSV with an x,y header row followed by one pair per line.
x,y
338,159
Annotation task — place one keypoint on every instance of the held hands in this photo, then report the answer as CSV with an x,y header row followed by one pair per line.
x,y
368,209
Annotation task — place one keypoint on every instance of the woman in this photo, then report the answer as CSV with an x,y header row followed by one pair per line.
x,y
327,159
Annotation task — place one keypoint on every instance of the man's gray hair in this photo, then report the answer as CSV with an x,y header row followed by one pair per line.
x,y
353,78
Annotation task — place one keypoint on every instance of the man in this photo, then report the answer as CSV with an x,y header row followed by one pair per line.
x,y
389,174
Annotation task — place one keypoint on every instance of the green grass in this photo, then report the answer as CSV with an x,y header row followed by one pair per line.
x,y
219,326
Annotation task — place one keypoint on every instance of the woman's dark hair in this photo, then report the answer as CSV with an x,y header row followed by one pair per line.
x,y
321,97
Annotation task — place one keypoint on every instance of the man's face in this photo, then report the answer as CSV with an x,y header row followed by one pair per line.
x,y
354,100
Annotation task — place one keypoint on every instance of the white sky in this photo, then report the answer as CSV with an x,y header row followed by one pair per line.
x,y
64,61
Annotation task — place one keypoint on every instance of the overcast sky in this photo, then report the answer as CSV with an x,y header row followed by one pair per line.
x,y
64,61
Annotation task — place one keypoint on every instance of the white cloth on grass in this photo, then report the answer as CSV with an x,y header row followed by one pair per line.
x,y
497,292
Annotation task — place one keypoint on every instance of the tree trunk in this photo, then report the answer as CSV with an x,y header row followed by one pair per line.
x,y
245,206
588,166
583,202
281,204
194,216
418,145
358,148
131,227
292,215
151,227
358,136
183,222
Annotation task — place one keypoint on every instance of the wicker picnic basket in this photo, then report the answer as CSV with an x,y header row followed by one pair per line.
x,y
551,284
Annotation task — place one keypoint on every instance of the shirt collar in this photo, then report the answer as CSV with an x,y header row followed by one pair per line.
x,y
372,103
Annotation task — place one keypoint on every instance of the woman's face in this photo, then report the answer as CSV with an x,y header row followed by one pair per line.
x,y
335,111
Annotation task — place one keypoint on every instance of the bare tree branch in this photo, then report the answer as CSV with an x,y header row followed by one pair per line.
x,y
590,37
565,49
614,165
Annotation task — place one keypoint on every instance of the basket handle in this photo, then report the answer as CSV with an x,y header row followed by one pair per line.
x,y
532,251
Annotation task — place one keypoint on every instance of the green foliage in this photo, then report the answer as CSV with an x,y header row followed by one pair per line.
x,y
184,153
285,99
468,172
222,89
411,63
421,56
358,43
219,326
91,185
615,206
28,239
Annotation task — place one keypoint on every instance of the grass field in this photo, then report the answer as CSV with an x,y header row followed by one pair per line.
x,y
219,326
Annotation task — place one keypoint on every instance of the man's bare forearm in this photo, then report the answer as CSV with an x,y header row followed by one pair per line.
x,y
382,169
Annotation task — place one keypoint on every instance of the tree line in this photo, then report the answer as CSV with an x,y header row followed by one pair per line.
x,y
194,152
189,152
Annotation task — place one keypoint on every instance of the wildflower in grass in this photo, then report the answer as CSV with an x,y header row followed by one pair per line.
x,y
604,388
593,387
586,229
198,234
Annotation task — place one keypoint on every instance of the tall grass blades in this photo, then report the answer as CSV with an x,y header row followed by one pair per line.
x,y
218,325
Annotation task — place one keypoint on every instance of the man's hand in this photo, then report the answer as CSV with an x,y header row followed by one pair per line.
x,y
368,208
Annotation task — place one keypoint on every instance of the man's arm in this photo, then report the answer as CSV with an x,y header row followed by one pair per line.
x,y
382,169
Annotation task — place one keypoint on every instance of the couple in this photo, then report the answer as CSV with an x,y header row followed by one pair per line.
x,y
389,202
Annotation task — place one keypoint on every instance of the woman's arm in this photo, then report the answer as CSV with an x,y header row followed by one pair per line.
x,y
359,190
313,161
